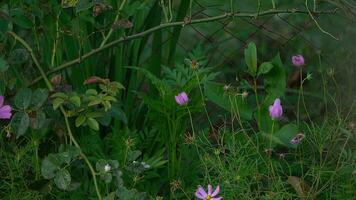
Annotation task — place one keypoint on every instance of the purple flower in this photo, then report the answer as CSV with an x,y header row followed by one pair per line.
x,y
5,110
201,194
182,98
275,110
298,60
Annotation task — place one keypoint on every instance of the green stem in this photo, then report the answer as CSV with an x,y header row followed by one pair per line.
x,y
300,92
203,99
111,29
81,152
50,87
191,121
29,49
272,130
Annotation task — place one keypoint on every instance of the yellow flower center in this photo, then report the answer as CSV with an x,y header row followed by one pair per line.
x,y
208,197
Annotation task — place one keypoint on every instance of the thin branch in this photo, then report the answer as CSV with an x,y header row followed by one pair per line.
x,y
50,87
172,24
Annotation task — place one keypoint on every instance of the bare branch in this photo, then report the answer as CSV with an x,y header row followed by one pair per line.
x,y
172,24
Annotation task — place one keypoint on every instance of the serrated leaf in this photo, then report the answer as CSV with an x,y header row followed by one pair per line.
x,y
23,98
93,124
62,179
80,120
251,58
264,68
20,123
49,166
39,96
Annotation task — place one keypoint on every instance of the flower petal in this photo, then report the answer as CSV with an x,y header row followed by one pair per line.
x,y
184,97
5,108
210,189
5,115
5,112
218,198
198,195
202,191
277,102
1,101
216,192
178,100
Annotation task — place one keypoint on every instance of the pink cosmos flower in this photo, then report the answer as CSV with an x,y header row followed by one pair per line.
x,y
182,98
5,110
275,110
298,60
210,195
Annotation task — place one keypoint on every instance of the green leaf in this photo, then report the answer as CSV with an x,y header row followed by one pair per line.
x,y
230,102
251,58
69,3
20,123
3,65
68,155
133,155
59,95
39,120
83,5
80,120
22,20
284,135
57,102
264,68
94,102
73,151
75,100
39,96
23,98
64,157
91,92
275,81
275,85
100,165
49,166
18,56
62,179
93,124
114,164
106,177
